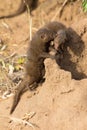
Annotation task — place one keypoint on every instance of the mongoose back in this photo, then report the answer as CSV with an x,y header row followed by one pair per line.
x,y
38,50
32,4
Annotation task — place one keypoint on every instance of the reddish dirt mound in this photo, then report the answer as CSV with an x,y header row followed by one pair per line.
x,y
61,102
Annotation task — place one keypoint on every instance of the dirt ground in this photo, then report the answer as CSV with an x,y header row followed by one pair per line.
x,y
60,103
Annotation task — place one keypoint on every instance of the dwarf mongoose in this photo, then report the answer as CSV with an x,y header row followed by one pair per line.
x,y
38,50
61,38
35,61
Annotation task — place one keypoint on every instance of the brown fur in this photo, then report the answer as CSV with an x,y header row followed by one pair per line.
x,y
38,50
32,4
35,66
61,38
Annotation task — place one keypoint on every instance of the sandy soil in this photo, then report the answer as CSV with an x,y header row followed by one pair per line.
x,y
60,103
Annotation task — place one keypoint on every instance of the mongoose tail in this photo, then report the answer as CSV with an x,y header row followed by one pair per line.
x,y
26,81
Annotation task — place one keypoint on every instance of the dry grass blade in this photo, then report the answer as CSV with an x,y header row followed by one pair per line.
x,y
5,83
28,116
20,121
7,94
29,19
7,26
59,12
16,121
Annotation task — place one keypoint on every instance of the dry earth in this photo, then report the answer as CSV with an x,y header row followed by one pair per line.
x,y
60,103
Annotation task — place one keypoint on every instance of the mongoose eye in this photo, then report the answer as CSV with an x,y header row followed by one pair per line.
x,y
43,36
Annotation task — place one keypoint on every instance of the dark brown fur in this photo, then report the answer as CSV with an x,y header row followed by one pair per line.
x,y
32,4
38,50
35,66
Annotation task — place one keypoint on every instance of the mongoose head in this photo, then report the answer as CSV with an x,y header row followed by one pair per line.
x,y
45,35
59,39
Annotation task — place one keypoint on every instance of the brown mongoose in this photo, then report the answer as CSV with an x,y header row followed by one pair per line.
x,y
35,65
32,4
61,36
60,43
38,50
